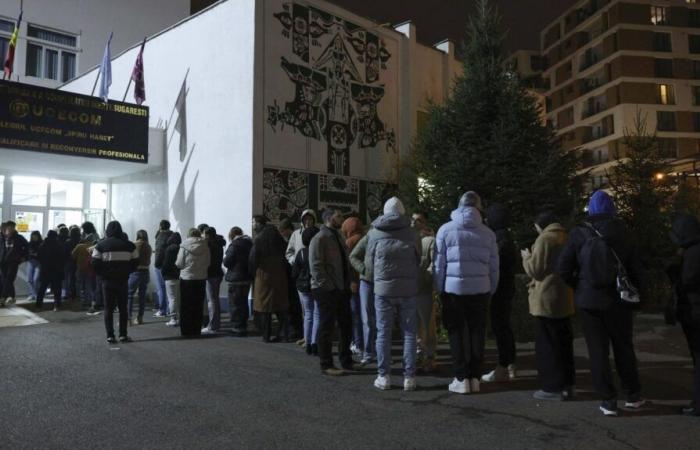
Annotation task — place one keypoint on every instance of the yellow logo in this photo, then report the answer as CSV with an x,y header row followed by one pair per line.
x,y
19,109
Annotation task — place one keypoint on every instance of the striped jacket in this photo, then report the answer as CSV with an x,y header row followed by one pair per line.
x,y
114,259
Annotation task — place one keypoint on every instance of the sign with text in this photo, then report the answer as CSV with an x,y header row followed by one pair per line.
x,y
51,121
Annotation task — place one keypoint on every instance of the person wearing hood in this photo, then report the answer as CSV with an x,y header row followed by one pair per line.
x,y
162,237
215,275
69,280
52,262
589,267
466,275
171,277
238,279
551,303
394,255
308,219
295,316
425,305
685,233
270,296
138,279
34,243
13,252
498,220
352,231
84,273
113,259
301,274
193,260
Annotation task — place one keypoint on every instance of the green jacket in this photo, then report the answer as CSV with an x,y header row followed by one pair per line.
x,y
357,260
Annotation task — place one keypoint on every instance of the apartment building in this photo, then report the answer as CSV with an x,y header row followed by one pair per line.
x,y
606,61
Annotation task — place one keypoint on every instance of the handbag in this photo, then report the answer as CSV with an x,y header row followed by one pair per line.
x,y
628,292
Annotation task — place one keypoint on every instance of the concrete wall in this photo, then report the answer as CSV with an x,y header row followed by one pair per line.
x,y
92,21
201,92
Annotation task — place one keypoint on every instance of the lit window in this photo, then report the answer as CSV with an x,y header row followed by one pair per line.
x,y
29,191
666,95
66,194
98,195
658,15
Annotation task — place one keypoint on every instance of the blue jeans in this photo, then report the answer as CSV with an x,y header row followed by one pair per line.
x,y
214,303
87,284
369,319
138,281
357,331
385,320
312,317
161,297
33,276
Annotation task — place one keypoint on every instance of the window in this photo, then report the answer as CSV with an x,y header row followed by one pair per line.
x,y
4,45
666,95
29,191
665,121
696,69
50,54
662,42
696,95
66,194
694,43
696,122
668,147
694,18
7,26
2,189
663,68
658,15
98,192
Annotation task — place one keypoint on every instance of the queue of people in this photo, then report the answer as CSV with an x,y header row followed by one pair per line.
x,y
306,283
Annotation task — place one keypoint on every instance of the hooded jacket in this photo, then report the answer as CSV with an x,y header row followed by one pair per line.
x,y
685,233
193,259
352,231
162,238
236,260
466,255
549,296
168,268
51,258
301,271
357,260
499,220
393,255
216,249
328,260
114,258
13,249
295,242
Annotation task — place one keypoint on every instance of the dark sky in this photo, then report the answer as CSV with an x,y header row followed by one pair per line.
x,y
436,20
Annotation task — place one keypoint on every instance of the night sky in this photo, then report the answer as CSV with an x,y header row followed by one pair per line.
x,y
436,20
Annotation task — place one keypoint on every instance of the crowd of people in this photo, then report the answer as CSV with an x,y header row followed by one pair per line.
x,y
307,282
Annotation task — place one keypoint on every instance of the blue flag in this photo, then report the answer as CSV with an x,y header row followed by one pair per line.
x,y
106,71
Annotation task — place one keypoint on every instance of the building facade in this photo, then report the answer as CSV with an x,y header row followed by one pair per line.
x,y
608,62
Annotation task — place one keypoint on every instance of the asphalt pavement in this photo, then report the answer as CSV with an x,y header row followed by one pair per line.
x,y
63,386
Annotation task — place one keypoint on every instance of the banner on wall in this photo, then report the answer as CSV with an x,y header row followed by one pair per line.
x,y
51,121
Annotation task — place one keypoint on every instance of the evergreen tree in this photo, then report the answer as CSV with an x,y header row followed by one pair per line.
x,y
488,137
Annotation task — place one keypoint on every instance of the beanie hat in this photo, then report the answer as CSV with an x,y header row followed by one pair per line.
x,y
471,198
394,206
601,203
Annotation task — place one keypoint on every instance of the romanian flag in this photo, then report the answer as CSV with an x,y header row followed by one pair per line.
x,y
10,60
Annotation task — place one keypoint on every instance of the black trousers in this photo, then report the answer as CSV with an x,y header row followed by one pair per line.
x,y
501,307
334,306
601,330
296,322
464,317
9,274
692,335
554,349
238,305
114,294
192,296
55,284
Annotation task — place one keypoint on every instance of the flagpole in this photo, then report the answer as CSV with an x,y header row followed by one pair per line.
x,y
95,85
127,89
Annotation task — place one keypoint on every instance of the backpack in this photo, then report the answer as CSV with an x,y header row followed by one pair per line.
x,y
604,268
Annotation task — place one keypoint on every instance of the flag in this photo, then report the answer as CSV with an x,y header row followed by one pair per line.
x,y
106,71
10,60
137,76
181,123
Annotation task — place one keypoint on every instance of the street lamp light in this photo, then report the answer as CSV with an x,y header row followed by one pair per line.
x,y
659,176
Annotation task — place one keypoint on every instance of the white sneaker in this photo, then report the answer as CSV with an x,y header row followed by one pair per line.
x,y
158,314
474,386
207,330
635,404
499,374
10,301
172,322
355,350
512,372
459,387
383,382
409,384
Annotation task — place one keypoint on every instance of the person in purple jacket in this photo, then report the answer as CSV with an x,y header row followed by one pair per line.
x,y
466,275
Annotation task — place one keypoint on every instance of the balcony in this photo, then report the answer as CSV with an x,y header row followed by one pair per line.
x,y
594,106
590,58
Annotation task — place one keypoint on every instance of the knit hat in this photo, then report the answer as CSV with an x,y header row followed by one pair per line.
x,y
601,203
394,206
471,198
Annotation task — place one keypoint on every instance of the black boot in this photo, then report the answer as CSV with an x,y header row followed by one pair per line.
x,y
314,349
309,349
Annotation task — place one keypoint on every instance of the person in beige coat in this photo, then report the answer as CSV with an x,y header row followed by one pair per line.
x,y
551,302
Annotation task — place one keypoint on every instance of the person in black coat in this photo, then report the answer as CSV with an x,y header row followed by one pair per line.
x,y
13,252
52,262
171,276
239,279
215,275
603,316
162,237
69,280
301,274
686,234
498,220
113,259
35,240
